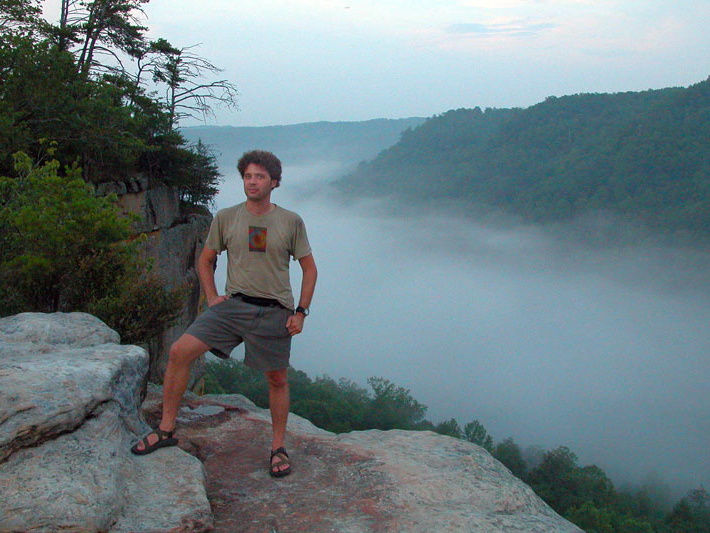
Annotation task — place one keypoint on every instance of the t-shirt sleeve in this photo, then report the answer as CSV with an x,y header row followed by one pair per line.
x,y
301,247
214,237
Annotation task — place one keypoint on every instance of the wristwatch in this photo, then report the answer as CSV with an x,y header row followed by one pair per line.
x,y
302,310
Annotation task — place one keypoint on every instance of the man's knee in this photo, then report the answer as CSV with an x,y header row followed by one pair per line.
x,y
277,379
186,349
178,355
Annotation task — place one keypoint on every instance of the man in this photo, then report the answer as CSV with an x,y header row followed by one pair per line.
x,y
258,307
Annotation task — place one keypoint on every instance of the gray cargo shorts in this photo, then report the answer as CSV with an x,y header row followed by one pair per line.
x,y
262,329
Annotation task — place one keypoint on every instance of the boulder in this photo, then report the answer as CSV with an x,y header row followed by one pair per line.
x,y
69,411
49,329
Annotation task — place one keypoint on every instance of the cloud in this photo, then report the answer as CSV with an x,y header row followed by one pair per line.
x,y
513,29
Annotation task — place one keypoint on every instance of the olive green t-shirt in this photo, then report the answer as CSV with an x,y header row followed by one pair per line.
x,y
259,249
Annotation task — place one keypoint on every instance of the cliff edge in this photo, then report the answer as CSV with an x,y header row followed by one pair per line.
x,y
70,408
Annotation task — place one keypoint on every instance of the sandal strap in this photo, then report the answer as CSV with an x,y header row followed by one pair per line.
x,y
277,451
162,435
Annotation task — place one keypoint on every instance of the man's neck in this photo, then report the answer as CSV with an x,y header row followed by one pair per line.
x,y
260,208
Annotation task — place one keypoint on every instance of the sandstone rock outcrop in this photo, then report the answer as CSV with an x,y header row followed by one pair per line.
x,y
69,409
69,399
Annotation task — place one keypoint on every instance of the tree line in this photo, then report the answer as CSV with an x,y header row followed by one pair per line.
x,y
583,494
642,156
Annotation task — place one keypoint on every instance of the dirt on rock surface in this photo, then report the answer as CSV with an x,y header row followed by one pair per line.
x,y
329,489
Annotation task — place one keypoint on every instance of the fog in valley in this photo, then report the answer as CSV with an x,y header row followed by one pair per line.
x,y
602,350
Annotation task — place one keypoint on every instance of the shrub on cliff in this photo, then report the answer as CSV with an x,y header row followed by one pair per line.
x,y
64,249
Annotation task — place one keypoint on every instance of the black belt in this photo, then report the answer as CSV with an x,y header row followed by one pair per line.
x,y
261,302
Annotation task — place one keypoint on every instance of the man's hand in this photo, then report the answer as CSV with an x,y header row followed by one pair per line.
x,y
294,324
216,300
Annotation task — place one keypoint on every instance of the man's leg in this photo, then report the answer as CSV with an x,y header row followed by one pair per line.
x,y
279,406
182,353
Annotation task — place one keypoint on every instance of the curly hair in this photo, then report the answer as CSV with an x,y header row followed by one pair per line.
x,y
269,161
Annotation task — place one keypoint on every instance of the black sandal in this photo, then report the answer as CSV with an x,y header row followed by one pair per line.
x,y
283,460
165,438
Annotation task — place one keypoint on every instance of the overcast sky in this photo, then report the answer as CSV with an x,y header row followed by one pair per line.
x,y
309,60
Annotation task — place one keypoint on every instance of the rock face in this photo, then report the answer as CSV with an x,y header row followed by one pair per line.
x,y
69,406
69,398
173,242
174,251
157,208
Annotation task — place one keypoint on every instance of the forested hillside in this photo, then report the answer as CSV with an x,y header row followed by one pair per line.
x,y
642,155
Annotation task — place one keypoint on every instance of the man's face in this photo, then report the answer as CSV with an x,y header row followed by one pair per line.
x,y
257,182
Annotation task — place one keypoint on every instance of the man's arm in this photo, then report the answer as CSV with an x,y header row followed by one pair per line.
x,y
205,271
308,286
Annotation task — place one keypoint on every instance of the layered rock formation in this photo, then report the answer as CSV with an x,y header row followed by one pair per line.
x,y
69,400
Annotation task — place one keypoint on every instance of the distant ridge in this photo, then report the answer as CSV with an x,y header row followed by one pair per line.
x,y
308,142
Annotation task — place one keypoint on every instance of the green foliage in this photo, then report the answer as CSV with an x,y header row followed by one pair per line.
x,y
586,497
234,377
565,486
63,249
392,407
108,25
55,235
449,427
19,16
591,519
337,406
476,433
193,172
139,306
508,453
692,513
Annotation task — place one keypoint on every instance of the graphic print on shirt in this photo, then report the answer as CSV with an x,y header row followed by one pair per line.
x,y
257,239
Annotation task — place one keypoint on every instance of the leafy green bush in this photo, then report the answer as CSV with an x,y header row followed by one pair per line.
x,y
55,235
64,249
